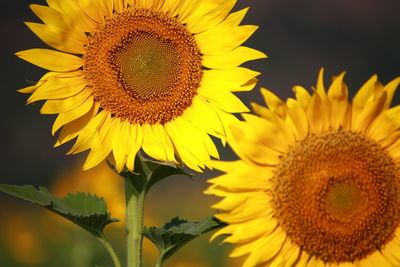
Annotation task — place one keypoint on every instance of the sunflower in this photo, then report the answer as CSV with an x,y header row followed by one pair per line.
x,y
318,181
150,74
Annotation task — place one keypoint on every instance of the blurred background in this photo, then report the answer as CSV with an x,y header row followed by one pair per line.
x,y
359,36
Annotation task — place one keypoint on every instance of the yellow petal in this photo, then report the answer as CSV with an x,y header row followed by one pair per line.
x,y
361,119
365,93
320,83
130,3
326,111
385,124
57,88
102,145
315,112
274,103
55,4
49,15
242,249
260,110
220,40
226,36
288,256
242,180
98,9
203,130
120,140
246,213
346,264
72,129
229,203
368,95
64,118
232,80
391,252
394,151
31,89
299,117
204,117
376,259
192,139
137,141
87,134
275,135
338,95
338,91
208,13
315,262
156,143
227,120
172,7
187,142
228,166
390,89
59,38
235,18
66,104
76,20
209,144
233,58
51,60
266,250
186,9
28,90
302,96
151,4
119,5
223,99
251,149
166,142
250,230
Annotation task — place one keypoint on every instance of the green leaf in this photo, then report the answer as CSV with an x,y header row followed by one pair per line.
x,y
149,172
86,210
178,232
162,170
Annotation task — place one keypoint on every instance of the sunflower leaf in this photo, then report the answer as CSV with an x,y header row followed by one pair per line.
x,y
148,172
162,170
178,232
85,210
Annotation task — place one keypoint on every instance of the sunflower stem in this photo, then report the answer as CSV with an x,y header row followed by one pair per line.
x,y
134,223
111,251
159,262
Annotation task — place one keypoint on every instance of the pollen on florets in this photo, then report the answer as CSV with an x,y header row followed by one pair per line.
x,y
337,195
143,66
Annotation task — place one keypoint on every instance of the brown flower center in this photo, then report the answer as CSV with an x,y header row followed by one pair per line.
x,y
337,196
143,66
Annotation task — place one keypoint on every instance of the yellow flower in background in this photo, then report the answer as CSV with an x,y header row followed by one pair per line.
x,y
318,181
22,237
154,74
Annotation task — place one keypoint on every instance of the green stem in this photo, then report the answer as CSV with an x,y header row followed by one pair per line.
x,y
134,223
110,250
159,261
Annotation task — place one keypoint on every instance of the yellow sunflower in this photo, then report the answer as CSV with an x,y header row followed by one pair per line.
x,y
318,182
151,74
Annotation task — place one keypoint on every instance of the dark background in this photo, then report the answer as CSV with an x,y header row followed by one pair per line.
x,y
300,36
359,36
